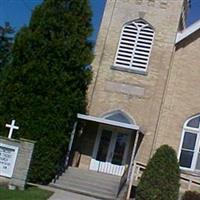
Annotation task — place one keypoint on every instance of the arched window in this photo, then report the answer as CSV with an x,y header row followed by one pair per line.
x,y
190,144
135,46
119,116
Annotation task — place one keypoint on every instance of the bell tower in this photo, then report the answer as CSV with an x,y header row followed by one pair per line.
x,y
133,55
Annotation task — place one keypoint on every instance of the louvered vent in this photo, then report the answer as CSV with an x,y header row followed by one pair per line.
x,y
135,46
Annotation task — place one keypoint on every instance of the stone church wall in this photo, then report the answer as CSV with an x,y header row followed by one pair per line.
x,y
138,95
183,94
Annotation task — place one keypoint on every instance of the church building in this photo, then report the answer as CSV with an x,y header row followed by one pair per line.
x,y
143,94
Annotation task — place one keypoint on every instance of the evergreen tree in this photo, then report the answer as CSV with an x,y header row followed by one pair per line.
x,y
45,85
160,180
6,41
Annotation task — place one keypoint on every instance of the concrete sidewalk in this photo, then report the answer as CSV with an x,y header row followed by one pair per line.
x,y
63,195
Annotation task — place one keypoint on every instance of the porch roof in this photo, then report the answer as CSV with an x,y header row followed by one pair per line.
x,y
107,121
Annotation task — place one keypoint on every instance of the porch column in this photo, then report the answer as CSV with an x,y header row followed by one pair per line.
x,y
70,144
132,166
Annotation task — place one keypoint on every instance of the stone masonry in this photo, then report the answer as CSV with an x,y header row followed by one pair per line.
x,y
22,162
140,96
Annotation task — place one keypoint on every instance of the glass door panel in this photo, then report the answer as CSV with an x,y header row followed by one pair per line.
x,y
119,149
110,150
104,144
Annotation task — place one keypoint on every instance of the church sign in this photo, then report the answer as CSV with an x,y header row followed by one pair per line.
x,y
8,155
15,158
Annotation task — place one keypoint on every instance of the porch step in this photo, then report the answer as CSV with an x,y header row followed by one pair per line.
x,y
72,170
89,183
90,176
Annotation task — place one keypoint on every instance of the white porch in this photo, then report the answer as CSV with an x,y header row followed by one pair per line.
x,y
101,147
105,144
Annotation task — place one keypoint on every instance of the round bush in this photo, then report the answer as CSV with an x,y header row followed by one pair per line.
x,y
160,180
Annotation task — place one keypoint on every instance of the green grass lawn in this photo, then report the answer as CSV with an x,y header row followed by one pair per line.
x,y
32,193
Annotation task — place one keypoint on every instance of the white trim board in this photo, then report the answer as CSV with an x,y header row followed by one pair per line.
x,y
188,31
106,121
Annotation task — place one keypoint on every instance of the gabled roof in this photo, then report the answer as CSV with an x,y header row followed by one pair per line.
x,y
188,31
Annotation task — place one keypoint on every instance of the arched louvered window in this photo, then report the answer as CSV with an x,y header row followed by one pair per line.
x,y
135,46
189,154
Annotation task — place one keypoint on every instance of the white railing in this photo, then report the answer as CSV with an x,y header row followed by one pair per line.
x,y
188,181
107,167
139,169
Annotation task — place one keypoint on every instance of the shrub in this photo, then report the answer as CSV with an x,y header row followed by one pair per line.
x,y
191,195
160,180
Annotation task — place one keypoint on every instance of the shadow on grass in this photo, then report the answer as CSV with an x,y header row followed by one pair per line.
x,y
30,193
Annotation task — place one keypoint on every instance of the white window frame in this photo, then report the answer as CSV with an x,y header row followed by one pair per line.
x,y
197,144
137,40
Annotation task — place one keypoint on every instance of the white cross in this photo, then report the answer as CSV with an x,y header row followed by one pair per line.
x,y
12,127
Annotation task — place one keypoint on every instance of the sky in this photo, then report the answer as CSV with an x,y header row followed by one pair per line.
x,y
18,12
